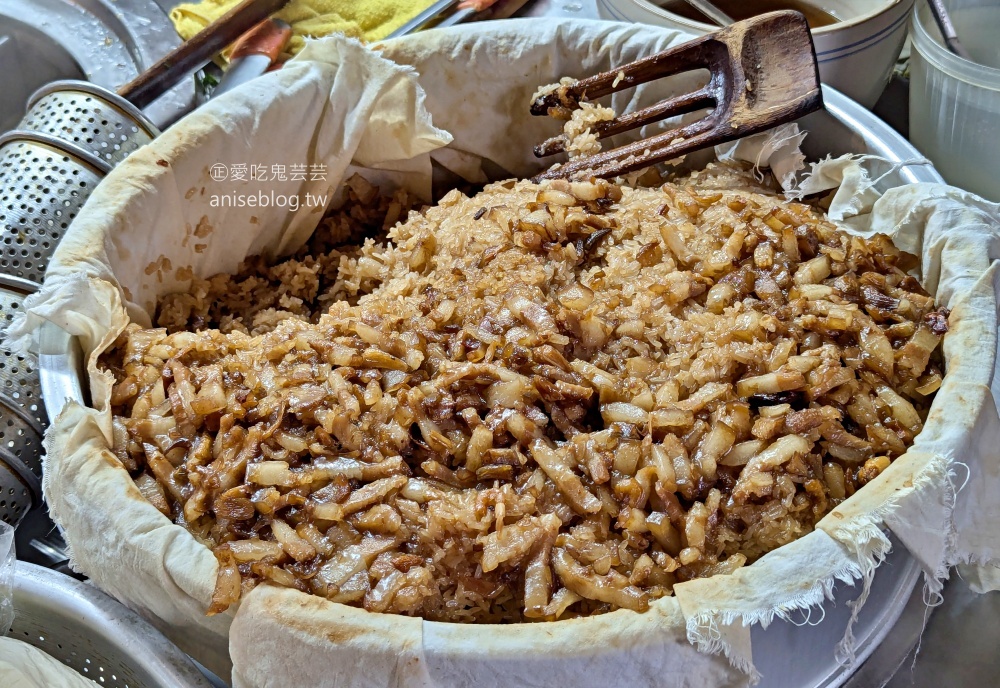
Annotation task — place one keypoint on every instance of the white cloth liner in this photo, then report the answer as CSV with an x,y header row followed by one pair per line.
x,y
343,106
777,149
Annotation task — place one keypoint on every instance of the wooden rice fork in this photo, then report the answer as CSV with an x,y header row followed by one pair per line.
x,y
763,73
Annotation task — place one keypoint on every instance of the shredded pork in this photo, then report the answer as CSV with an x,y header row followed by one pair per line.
x,y
540,402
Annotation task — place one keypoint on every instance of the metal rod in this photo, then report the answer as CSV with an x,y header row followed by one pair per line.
x,y
456,18
427,15
64,147
712,12
948,29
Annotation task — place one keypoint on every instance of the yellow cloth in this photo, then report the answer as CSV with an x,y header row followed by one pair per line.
x,y
369,20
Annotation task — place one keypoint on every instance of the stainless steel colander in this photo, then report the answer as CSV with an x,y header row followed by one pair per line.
x,y
22,416
73,134
71,137
90,117
44,182
95,635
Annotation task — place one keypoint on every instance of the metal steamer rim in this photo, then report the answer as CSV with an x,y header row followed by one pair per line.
x,y
112,98
92,117
58,145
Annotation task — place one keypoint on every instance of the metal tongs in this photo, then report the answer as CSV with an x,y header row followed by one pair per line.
x,y
444,13
763,73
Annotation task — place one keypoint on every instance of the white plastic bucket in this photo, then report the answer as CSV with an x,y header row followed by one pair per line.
x,y
955,103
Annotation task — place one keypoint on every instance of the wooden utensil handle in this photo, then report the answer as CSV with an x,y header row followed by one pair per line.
x,y
156,80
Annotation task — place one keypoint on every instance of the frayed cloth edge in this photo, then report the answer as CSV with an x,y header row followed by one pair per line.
x,y
703,629
703,632
868,545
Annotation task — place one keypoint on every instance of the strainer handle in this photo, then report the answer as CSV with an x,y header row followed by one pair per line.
x,y
60,368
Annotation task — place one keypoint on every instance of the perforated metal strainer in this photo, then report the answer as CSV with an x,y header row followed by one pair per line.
x,y
44,182
42,187
22,416
95,635
90,117
73,134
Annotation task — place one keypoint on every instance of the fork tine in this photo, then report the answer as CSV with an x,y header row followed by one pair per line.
x,y
675,60
718,127
764,73
640,154
678,105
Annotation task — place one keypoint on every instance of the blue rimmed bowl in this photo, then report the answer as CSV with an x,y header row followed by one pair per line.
x,y
856,55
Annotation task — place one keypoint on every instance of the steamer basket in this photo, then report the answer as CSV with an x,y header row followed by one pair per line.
x,y
790,654
22,416
97,637
93,118
73,134
15,497
44,181
19,388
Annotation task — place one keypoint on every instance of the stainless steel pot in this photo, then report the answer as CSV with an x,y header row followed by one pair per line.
x,y
787,654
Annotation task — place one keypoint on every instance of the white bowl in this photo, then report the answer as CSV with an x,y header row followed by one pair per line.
x,y
856,55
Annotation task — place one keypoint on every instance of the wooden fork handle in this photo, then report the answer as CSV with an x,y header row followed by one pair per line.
x,y
763,73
